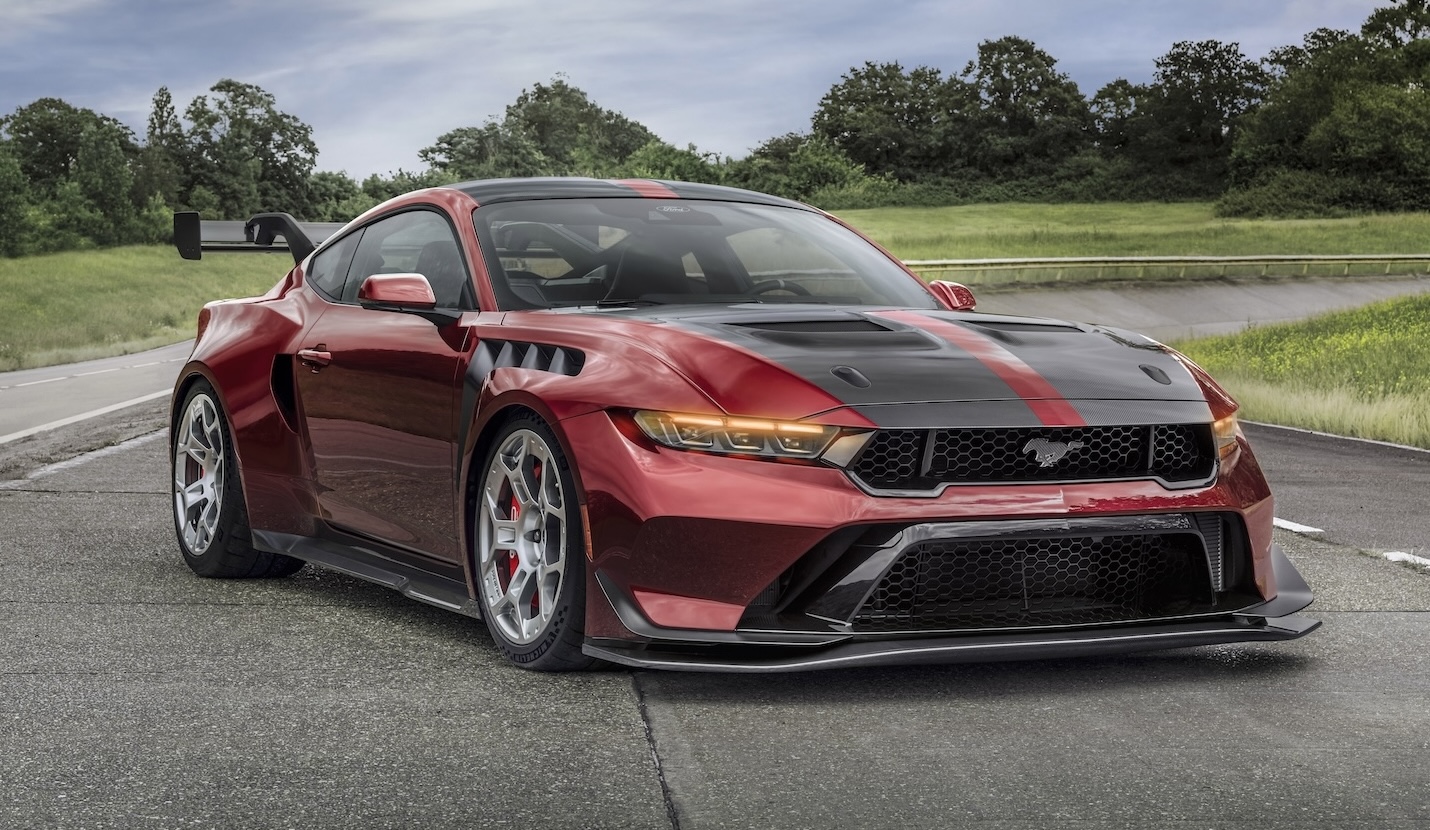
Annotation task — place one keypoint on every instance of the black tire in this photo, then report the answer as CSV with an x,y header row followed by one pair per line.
x,y
210,517
526,521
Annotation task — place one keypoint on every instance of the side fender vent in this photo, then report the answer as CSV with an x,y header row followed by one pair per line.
x,y
281,379
500,354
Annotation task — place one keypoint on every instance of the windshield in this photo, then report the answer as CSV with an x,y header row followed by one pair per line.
x,y
581,252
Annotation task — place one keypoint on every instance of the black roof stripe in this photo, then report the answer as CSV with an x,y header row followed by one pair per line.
x,y
490,191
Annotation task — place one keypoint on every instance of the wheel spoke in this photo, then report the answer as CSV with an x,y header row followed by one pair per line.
x,y
522,525
199,474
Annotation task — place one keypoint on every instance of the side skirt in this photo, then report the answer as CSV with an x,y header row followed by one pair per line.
x,y
369,564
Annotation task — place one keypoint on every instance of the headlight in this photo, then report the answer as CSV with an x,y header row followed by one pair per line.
x,y
1226,430
736,436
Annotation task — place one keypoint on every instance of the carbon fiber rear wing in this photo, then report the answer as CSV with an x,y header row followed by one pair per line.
x,y
261,234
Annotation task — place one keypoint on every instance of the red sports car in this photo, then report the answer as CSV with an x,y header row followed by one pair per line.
x,y
683,426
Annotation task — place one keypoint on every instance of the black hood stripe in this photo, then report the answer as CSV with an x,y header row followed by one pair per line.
x,y
1046,402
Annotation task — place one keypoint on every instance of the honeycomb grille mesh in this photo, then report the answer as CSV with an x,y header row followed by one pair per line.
x,y
982,584
920,460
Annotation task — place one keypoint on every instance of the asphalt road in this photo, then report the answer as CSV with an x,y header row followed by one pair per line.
x,y
1359,493
32,398
134,694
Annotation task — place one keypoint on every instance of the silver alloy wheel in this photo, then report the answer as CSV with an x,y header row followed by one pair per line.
x,y
521,537
199,474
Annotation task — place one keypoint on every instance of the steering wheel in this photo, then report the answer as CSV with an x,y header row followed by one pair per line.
x,y
778,285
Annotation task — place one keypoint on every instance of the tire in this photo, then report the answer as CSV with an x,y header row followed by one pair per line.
x,y
210,518
529,549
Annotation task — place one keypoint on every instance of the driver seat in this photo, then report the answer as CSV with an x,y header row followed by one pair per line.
x,y
642,270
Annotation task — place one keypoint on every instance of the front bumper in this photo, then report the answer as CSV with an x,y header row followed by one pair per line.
x,y
753,651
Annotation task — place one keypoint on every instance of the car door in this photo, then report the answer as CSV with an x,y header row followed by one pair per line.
x,y
378,390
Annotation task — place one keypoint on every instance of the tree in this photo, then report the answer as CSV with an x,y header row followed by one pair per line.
x,y
1201,94
796,166
550,129
103,181
1028,117
1398,24
247,153
658,160
493,151
1345,123
160,167
45,138
14,204
1115,111
336,198
571,130
890,121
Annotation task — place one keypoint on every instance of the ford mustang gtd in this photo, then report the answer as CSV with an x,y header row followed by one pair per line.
x,y
690,427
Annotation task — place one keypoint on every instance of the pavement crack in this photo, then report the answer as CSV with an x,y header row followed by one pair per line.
x,y
665,795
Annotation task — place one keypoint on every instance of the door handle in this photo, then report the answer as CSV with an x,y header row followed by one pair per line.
x,y
315,358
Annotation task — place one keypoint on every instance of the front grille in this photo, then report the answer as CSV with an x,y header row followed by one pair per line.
x,y
981,584
922,460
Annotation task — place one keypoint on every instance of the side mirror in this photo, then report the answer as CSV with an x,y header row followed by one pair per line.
x,y
397,291
953,296
409,293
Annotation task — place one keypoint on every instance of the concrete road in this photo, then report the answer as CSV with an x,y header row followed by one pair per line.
x,y
1169,312
133,694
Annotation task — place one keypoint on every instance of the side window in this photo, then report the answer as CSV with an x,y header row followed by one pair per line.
x,y
414,242
329,269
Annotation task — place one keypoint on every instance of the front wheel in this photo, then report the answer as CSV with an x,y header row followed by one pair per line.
x,y
531,565
210,517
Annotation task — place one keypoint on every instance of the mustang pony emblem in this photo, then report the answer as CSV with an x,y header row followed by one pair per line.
x,y
1047,453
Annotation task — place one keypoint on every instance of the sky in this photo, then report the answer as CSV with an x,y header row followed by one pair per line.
x,y
378,80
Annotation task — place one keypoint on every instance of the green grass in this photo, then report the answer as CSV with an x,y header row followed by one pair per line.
x,y
1364,372
1126,229
60,308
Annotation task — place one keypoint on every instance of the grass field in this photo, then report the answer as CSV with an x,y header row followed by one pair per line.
x,y
1364,372
1126,229
78,305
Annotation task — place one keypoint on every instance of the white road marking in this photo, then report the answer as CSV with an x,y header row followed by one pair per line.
x,y
1401,556
38,382
83,416
142,365
61,466
1295,528
98,372
1340,437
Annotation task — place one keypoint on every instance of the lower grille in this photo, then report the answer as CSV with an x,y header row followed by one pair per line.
x,y
982,584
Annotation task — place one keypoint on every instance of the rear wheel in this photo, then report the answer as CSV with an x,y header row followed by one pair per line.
x,y
210,518
531,566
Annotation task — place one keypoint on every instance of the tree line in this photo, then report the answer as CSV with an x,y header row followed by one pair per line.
x,y
1338,123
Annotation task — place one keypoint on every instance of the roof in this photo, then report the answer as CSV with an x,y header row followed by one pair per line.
x,y
489,191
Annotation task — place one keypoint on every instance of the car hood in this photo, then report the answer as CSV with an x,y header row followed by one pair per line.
x,y
916,368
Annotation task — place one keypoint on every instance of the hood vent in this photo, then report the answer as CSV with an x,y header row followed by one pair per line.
x,y
814,326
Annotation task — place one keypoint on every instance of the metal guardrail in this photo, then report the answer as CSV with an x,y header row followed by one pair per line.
x,y
1054,269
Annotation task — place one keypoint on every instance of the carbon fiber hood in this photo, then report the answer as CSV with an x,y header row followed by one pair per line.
x,y
916,368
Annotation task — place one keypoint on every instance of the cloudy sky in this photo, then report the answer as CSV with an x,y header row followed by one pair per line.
x,y
380,79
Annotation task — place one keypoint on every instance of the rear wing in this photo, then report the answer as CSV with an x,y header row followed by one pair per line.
x,y
193,236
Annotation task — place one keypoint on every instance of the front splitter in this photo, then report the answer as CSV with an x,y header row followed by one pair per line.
x,y
977,649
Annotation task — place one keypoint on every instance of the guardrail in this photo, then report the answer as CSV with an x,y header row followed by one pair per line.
x,y
1034,270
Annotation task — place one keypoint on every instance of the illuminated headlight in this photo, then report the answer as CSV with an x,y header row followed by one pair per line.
x,y
742,436
1226,430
